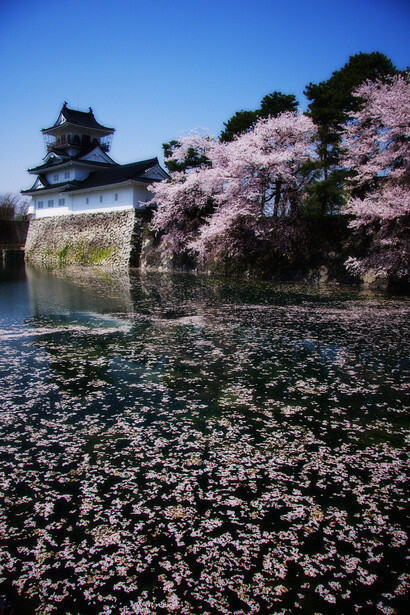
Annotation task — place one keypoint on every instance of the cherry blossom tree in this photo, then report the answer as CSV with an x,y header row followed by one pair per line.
x,y
259,177
184,201
330,103
377,142
246,185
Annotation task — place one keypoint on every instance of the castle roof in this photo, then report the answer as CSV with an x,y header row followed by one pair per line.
x,y
60,157
116,174
84,119
120,173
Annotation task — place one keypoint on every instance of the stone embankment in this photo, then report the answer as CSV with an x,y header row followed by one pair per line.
x,y
119,240
109,239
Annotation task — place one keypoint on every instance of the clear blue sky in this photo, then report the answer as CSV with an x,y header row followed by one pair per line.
x,y
155,69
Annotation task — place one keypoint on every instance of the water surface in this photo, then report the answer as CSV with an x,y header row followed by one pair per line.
x,y
177,444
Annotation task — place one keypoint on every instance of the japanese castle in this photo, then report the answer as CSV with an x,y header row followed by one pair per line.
x,y
78,176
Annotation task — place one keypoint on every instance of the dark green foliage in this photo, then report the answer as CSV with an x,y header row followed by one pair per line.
x,y
326,196
276,103
238,124
271,105
294,249
192,160
331,101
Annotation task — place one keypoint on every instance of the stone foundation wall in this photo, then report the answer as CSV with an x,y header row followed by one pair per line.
x,y
109,239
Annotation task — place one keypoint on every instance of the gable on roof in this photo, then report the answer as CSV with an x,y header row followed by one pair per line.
x,y
40,182
136,171
95,154
53,156
156,173
143,172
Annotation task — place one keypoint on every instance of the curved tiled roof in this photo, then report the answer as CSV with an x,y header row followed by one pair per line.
x,y
62,158
50,166
115,174
118,173
84,119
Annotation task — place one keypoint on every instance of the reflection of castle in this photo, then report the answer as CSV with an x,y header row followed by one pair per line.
x,y
78,175
78,317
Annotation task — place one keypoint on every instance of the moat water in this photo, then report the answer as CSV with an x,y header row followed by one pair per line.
x,y
179,444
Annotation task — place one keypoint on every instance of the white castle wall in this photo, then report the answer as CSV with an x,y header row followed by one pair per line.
x,y
111,199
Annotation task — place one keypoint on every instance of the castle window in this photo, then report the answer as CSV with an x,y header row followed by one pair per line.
x,y
39,204
66,175
116,196
101,199
50,203
56,177
87,200
61,202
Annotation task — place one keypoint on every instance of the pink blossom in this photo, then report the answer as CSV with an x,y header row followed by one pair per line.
x,y
377,142
255,177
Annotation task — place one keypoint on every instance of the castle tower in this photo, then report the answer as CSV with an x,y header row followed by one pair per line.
x,y
76,130
78,176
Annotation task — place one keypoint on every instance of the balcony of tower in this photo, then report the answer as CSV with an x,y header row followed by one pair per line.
x,y
85,141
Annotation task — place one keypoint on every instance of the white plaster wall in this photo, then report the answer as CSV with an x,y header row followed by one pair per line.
x,y
140,196
125,200
75,173
56,210
49,212
129,197
50,176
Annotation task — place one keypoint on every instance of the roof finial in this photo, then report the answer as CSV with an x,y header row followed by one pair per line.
x,y
90,109
65,103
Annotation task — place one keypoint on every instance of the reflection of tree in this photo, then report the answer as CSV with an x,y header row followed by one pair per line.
x,y
204,341
249,345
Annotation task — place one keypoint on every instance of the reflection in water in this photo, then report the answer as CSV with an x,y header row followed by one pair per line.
x,y
189,445
78,291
